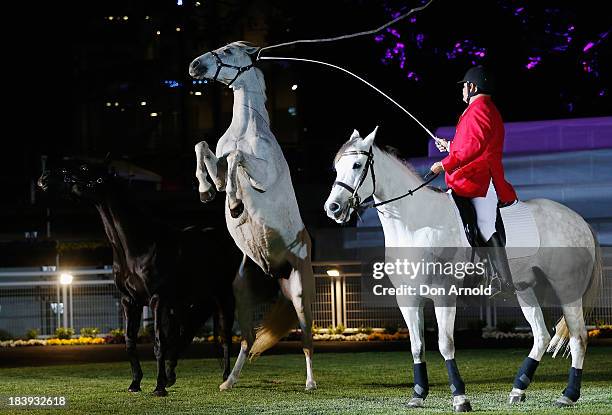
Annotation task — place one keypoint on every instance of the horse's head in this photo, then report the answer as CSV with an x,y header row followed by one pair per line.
x,y
224,64
79,178
353,164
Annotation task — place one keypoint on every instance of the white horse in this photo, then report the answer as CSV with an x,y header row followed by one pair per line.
x,y
261,212
428,219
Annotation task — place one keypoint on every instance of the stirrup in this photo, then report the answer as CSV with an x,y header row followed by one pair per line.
x,y
495,290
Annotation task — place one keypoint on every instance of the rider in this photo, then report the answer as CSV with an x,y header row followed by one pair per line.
x,y
474,165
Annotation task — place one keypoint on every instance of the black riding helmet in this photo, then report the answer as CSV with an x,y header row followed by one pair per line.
x,y
478,76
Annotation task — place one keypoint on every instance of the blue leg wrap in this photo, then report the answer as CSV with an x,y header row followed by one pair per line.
x,y
421,383
573,385
525,374
457,386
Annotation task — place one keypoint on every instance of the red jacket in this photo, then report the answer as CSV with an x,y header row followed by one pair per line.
x,y
475,155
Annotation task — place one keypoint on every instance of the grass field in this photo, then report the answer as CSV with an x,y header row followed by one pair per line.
x,y
349,383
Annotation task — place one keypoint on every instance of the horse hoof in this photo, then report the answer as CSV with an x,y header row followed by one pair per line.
x,y
237,210
564,402
227,385
134,387
206,197
310,386
416,403
461,404
464,407
160,392
516,397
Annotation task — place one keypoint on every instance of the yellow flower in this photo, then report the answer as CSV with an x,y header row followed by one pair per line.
x,y
594,333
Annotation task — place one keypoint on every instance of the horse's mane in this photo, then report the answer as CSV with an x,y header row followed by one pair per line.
x,y
402,163
260,78
389,152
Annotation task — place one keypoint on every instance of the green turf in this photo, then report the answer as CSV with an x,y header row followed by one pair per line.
x,y
364,383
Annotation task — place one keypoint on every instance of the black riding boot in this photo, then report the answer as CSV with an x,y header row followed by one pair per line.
x,y
502,281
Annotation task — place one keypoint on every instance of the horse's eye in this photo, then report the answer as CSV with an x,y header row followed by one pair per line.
x,y
64,171
356,166
84,167
228,51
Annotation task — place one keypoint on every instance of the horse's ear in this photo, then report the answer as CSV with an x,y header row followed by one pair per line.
x,y
355,134
369,140
248,47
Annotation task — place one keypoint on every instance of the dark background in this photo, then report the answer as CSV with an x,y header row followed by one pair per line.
x,y
68,62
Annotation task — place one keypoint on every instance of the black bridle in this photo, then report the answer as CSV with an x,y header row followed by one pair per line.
x,y
354,200
71,178
221,64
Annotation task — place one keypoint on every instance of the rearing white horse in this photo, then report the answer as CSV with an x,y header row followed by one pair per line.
x,y
261,212
427,219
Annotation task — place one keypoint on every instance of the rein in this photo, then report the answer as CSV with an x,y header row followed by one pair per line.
x,y
258,57
354,200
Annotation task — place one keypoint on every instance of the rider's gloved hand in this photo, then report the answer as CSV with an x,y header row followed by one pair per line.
x,y
442,144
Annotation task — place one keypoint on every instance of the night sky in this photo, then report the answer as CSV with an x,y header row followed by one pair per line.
x,y
551,60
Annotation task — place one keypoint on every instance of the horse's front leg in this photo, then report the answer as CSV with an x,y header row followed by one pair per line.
x,y
413,316
161,318
257,172
207,164
132,313
445,317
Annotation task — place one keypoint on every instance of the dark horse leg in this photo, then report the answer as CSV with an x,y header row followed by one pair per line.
x,y
226,317
132,313
171,366
182,330
161,318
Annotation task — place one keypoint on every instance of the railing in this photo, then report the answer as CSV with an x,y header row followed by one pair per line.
x,y
48,299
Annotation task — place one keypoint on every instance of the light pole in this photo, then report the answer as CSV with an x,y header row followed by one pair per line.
x,y
338,296
65,281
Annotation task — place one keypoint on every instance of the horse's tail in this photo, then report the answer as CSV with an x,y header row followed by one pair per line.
x,y
276,324
562,334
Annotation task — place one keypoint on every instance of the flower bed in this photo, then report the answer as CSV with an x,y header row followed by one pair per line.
x,y
603,331
360,337
53,342
496,334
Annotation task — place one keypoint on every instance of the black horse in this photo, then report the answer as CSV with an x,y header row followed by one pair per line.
x,y
170,270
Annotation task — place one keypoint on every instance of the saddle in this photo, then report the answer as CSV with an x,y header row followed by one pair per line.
x,y
470,226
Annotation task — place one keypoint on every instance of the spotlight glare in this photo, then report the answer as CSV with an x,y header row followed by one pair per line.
x,y
333,272
66,278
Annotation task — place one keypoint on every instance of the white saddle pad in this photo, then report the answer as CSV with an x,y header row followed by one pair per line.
x,y
522,236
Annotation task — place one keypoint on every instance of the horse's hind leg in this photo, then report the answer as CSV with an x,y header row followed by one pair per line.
x,y
578,340
132,313
299,288
413,316
245,304
533,314
227,323
445,317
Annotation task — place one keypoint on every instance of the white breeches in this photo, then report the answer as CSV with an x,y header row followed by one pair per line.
x,y
486,212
